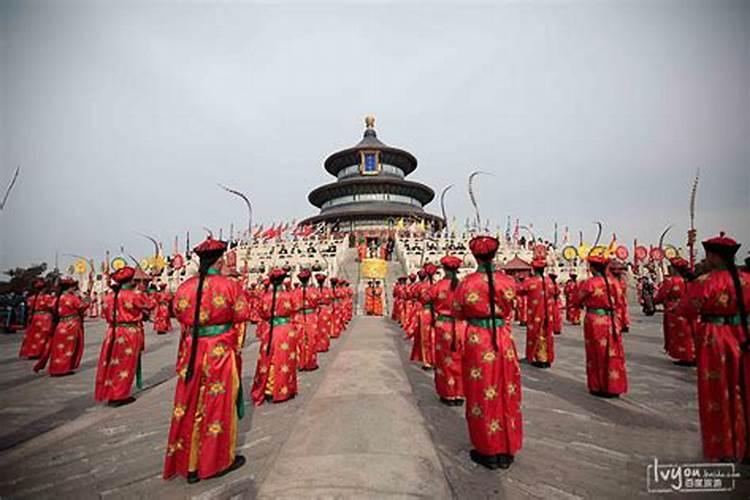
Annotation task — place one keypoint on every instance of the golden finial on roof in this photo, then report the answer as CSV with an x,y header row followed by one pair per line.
x,y
370,121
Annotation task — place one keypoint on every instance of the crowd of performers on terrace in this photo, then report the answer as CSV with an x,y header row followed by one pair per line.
x,y
459,324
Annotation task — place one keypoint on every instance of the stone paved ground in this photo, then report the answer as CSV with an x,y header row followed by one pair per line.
x,y
367,418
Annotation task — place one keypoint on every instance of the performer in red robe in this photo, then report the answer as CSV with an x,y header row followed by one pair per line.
x,y
556,310
337,307
572,313
679,333
605,355
276,371
347,297
620,273
492,376
422,348
377,299
412,307
65,348
254,295
120,357
369,294
162,320
398,299
721,299
40,321
93,310
306,322
208,397
325,321
539,292
449,336
521,304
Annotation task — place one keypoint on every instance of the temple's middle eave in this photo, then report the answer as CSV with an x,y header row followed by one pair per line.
x,y
379,184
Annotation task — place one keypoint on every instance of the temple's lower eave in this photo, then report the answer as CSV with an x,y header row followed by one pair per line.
x,y
375,218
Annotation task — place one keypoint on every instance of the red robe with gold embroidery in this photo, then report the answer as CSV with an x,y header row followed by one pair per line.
x,y
679,342
623,312
338,309
324,318
39,326
723,366
572,312
423,349
66,346
276,371
306,322
413,308
348,304
540,297
203,431
449,339
162,321
397,302
520,305
605,354
254,295
492,376
556,311
119,361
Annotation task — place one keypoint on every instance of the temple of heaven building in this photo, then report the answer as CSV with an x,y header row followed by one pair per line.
x,y
371,190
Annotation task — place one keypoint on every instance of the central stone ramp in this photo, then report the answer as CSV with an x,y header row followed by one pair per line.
x,y
361,434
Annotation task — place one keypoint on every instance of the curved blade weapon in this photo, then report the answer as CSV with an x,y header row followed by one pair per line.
x,y
528,229
247,203
152,240
442,203
10,186
691,233
208,230
473,198
599,228
663,235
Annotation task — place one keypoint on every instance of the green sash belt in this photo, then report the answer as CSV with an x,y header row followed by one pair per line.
x,y
599,311
486,322
427,307
310,310
213,330
336,300
42,312
280,320
69,316
718,319
443,317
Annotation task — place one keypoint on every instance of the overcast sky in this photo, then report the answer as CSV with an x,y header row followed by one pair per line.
x,y
123,118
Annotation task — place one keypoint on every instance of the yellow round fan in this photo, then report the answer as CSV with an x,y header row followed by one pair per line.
x,y
118,263
670,252
80,266
569,253
598,251
583,251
